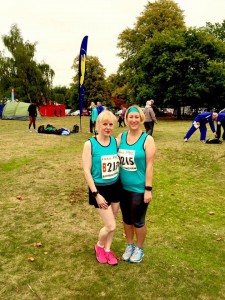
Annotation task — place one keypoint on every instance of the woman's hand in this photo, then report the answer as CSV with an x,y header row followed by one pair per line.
x,y
147,196
101,202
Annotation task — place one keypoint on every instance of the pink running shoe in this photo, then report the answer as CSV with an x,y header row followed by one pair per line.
x,y
111,259
100,254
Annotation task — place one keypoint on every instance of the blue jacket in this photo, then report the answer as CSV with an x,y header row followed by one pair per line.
x,y
221,117
204,118
100,109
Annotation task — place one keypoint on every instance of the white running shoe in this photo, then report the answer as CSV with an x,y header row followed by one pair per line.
x,y
128,252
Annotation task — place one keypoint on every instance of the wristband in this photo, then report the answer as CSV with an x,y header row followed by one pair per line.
x,y
94,194
148,188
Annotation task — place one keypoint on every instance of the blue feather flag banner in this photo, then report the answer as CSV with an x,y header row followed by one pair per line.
x,y
82,61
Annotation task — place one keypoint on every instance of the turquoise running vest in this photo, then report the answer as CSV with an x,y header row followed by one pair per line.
x,y
105,162
133,164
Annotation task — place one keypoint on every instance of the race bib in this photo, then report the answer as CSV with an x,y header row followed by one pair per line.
x,y
127,160
110,166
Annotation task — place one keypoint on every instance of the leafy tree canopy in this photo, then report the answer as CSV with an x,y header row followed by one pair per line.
x,y
96,87
164,60
30,79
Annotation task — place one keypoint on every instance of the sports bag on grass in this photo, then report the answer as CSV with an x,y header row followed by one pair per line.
x,y
75,129
213,141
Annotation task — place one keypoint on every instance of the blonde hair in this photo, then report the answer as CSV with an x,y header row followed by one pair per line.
x,y
105,116
142,116
92,104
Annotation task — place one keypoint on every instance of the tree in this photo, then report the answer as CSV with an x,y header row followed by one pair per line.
x,y
30,79
182,67
60,94
162,59
118,87
217,30
96,88
156,17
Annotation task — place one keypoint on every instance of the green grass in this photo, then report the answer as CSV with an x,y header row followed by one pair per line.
x,y
44,199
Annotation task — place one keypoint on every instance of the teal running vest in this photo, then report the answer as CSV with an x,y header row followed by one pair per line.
x,y
105,162
133,164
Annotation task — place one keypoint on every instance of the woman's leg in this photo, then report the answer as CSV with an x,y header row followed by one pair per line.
x,y
140,234
108,243
106,232
129,232
30,119
34,122
94,124
91,126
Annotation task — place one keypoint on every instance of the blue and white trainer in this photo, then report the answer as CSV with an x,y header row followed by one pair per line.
x,y
128,252
137,255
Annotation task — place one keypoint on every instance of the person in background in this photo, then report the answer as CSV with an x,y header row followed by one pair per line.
x,y
200,122
150,118
154,107
100,108
136,152
123,114
120,121
220,121
93,116
32,110
101,171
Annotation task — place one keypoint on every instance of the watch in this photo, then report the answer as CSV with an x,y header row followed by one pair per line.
x,y
148,188
95,193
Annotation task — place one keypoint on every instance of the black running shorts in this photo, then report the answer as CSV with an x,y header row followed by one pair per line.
x,y
133,208
111,193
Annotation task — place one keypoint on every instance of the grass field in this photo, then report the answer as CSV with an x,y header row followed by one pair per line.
x,y
48,230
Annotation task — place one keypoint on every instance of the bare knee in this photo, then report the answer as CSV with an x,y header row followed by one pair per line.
x,y
111,227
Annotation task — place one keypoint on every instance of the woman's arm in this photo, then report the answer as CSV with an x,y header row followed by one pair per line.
x,y
118,140
87,165
150,150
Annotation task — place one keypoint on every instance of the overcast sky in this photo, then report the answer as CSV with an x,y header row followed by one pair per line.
x,y
60,25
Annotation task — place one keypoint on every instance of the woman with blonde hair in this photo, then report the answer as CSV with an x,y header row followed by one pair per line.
x,y
93,117
136,152
101,171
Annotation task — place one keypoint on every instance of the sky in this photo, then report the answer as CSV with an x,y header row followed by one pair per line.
x,y
58,27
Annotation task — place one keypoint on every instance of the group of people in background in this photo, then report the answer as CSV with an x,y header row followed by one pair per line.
x,y
200,122
150,111
119,173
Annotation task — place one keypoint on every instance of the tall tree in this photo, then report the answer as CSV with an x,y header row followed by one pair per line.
x,y
29,78
118,87
96,88
156,17
182,67
61,95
